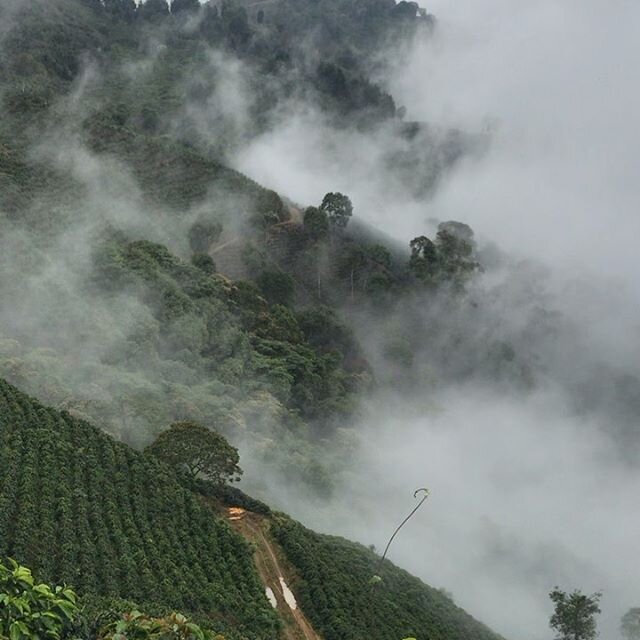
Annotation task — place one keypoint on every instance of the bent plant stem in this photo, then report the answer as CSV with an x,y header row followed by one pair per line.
x,y
395,533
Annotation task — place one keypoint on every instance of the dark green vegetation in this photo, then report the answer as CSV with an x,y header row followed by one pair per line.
x,y
119,527
31,610
574,615
135,624
80,508
143,280
191,448
336,591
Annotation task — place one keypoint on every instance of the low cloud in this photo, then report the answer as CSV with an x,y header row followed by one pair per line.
x,y
531,487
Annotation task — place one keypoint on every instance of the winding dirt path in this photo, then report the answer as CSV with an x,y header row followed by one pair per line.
x,y
251,526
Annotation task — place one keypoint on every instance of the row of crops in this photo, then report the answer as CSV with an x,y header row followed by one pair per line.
x,y
344,598
80,508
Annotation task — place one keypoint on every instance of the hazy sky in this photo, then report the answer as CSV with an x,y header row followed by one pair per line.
x,y
557,78
526,494
556,81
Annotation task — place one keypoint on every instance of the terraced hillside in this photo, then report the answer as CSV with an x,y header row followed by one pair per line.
x,y
80,508
335,589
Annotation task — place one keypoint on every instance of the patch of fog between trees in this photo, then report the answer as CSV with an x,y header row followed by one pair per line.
x,y
69,332
524,496
528,488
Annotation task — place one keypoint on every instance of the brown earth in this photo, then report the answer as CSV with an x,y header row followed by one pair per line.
x,y
271,566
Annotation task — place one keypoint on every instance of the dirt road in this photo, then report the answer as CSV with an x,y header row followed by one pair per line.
x,y
252,527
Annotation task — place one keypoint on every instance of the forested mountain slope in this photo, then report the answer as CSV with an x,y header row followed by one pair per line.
x,y
117,200
81,508
146,280
337,589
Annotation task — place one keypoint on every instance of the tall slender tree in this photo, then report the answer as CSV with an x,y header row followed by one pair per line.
x,y
574,616
630,624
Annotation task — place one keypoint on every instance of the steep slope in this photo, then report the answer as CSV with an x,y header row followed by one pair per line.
x,y
81,508
116,125
78,507
270,568
335,589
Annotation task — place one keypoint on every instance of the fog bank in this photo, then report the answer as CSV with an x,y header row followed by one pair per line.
x,y
529,490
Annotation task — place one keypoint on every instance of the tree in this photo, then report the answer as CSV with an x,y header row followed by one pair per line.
x,y
203,234
124,9
185,5
449,259
152,8
359,263
423,263
574,614
338,208
630,624
143,627
235,23
406,10
191,447
456,246
278,287
316,223
269,202
204,262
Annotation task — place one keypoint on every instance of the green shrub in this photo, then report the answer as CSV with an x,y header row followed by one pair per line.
x,y
138,626
33,611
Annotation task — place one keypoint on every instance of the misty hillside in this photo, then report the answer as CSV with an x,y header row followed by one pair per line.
x,y
80,508
372,248
163,284
400,605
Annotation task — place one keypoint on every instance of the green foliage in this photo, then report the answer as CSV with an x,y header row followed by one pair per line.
x,y
203,234
146,339
178,6
336,591
574,615
138,626
270,203
338,208
449,260
152,9
630,624
367,267
204,262
316,223
32,611
200,451
82,509
196,329
277,287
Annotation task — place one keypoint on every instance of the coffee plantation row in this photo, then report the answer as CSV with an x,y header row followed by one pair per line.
x,y
79,508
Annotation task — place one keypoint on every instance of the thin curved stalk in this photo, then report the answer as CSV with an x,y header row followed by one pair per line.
x,y
395,533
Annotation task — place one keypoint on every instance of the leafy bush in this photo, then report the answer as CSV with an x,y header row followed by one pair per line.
x,y
138,626
32,611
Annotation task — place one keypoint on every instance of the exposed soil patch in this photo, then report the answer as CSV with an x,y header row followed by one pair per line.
x,y
253,527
